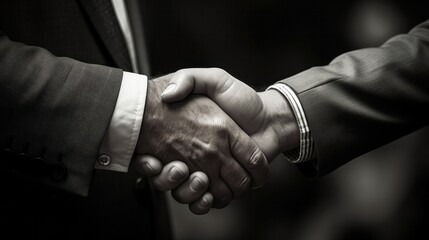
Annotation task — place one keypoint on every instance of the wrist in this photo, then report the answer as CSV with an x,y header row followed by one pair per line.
x,y
281,120
152,112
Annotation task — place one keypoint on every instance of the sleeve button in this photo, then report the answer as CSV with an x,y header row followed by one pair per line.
x,y
58,171
104,159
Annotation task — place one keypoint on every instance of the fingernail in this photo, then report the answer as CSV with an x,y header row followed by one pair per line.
x,y
148,168
204,203
175,174
169,90
196,184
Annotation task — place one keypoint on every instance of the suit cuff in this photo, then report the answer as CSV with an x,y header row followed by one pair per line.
x,y
306,146
121,137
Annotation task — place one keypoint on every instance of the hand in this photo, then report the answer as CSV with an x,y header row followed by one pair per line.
x,y
175,175
200,134
265,116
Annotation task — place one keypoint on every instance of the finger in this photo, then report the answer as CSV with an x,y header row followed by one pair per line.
x,y
192,189
202,205
245,150
221,193
180,86
147,165
171,176
235,176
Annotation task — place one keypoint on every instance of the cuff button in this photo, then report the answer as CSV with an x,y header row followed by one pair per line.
x,y
104,159
58,171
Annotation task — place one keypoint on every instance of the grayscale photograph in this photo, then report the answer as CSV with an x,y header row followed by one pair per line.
x,y
214,119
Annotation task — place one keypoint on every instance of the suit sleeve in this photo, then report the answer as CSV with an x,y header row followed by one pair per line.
x,y
54,114
365,99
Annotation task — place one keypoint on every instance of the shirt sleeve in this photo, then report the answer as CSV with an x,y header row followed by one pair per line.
x,y
305,151
121,137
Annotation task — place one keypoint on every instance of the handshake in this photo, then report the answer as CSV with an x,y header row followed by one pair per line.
x,y
209,138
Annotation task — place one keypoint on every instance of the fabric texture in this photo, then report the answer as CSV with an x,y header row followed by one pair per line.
x,y
61,70
304,152
365,98
122,134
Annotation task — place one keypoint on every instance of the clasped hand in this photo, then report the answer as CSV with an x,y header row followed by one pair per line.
x,y
206,122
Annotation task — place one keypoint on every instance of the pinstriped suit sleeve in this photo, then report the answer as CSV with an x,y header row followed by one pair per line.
x,y
364,99
55,112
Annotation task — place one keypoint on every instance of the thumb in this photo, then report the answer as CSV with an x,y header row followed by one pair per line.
x,y
180,86
206,81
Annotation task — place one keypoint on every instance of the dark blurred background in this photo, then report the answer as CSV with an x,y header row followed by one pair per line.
x,y
381,195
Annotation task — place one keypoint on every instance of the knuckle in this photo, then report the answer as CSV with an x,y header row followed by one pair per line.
x,y
210,152
224,84
180,72
193,158
245,183
257,159
206,158
223,129
219,71
244,186
197,156
236,177
224,80
228,163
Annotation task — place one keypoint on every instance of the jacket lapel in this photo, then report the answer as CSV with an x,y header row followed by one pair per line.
x,y
102,16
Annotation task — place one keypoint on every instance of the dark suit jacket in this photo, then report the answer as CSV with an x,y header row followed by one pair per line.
x,y
61,67
365,98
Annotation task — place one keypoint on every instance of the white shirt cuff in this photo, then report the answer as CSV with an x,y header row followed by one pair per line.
x,y
306,145
121,137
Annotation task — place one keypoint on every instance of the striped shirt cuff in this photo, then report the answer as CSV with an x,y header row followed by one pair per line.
x,y
306,147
